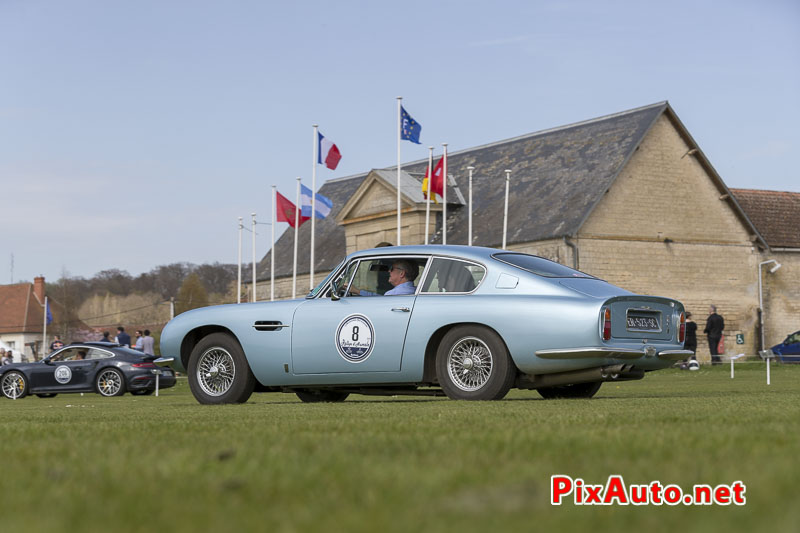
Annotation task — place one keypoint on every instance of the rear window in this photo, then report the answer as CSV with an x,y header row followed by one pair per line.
x,y
540,266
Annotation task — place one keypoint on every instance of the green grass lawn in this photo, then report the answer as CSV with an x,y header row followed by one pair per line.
x,y
86,463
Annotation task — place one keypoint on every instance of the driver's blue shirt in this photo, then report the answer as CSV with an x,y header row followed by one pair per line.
x,y
403,288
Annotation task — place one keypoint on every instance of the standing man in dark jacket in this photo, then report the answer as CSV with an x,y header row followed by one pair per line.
x,y
122,337
714,326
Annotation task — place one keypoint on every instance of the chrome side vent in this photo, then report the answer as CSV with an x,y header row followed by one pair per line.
x,y
269,325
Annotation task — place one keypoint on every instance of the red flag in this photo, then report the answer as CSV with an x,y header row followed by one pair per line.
x,y
287,210
436,183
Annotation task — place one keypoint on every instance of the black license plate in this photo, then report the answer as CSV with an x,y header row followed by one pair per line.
x,y
643,322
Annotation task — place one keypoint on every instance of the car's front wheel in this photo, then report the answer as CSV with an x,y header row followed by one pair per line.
x,y
110,382
472,363
576,390
218,371
14,385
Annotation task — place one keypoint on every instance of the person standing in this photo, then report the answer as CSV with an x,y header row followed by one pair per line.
x,y
139,340
148,343
123,338
6,359
691,334
715,325
106,337
56,344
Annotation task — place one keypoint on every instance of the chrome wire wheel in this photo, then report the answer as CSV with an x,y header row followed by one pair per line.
x,y
13,385
469,364
216,371
109,382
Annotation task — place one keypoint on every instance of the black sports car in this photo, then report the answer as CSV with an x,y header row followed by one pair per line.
x,y
107,368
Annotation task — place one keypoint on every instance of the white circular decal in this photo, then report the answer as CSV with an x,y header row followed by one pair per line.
x,y
63,374
355,338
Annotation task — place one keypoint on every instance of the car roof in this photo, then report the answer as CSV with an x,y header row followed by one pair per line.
x,y
467,252
95,343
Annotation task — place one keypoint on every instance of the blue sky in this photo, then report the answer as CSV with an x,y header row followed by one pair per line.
x,y
133,134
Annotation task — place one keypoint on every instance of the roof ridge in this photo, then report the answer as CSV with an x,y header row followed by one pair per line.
x,y
763,190
663,103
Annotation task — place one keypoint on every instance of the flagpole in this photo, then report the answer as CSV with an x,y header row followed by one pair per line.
x,y
313,202
428,201
469,217
44,331
253,215
399,130
239,277
296,228
505,212
272,249
444,196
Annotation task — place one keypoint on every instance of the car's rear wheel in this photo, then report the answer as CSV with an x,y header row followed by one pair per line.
x,y
472,363
47,395
14,385
317,395
110,382
218,371
576,390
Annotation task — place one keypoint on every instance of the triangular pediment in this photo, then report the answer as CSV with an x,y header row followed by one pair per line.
x,y
378,195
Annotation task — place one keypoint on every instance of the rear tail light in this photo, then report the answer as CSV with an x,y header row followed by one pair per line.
x,y
606,324
144,365
682,328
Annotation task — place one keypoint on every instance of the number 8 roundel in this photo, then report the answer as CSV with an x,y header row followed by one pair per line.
x,y
355,338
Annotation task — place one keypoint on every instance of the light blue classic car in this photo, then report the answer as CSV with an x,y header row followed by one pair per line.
x,y
466,322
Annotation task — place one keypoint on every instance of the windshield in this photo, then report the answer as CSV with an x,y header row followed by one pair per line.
x,y
540,266
324,282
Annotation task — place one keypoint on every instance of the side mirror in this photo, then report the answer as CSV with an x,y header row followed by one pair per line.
x,y
335,291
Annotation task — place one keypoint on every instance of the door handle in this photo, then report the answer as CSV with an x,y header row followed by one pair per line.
x,y
402,309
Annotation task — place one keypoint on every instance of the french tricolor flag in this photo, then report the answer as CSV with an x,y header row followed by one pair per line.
x,y
328,152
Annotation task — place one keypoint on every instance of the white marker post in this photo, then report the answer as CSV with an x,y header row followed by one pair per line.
x,y
768,358
733,358
767,354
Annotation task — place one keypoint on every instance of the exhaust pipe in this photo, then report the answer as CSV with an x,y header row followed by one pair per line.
x,y
589,375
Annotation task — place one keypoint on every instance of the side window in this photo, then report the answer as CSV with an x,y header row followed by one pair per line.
x,y
71,354
451,275
387,276
98,354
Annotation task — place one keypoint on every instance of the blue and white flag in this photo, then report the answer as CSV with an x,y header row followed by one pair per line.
x,y
321,210
409,128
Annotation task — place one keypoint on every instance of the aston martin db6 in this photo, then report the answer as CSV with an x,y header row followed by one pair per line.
x,y
467,322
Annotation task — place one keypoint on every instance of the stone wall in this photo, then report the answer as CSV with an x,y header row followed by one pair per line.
x,y
781,294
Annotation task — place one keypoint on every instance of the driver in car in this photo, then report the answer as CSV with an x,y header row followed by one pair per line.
x,y
401,276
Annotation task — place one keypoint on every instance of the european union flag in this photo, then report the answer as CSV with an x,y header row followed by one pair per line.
x,y
410,128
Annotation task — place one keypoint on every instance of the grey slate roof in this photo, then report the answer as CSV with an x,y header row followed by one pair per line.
x,y
776,214
558,176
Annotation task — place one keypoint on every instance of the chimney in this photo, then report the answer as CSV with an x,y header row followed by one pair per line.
x,y
38,288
